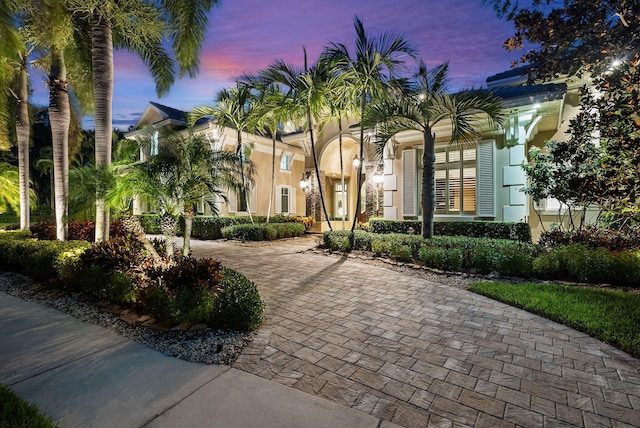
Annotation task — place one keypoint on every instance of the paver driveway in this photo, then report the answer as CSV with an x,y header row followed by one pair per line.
x,y
419,353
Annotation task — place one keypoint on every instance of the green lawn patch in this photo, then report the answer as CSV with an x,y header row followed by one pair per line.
x,y
609,315
17,413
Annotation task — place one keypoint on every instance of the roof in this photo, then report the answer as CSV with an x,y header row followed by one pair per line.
x,y
518,95
170,112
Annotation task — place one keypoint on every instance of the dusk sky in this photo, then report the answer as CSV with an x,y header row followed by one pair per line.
x,y
247,35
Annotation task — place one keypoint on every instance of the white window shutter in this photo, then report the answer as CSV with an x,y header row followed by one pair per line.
x,y
278,199
485,190
253,200
232,204
292,200
409,177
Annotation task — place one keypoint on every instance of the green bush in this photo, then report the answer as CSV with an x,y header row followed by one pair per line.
x,y
476,229
577,262
442,258
501,256
183,292
239,307
262,232
36,258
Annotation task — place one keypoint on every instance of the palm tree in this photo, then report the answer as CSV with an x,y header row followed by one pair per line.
x,y
423,107
234,109
307,88
271,108
370,70
139,26
185,172
14,73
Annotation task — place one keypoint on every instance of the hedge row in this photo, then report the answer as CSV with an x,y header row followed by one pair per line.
x,y
575,262
210,227
475,229
189,290
261,232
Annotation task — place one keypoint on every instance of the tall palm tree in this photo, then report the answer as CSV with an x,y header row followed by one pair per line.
x,y
371,68
272,108
139,26
234,109
343,103
14,74
424,106
306,87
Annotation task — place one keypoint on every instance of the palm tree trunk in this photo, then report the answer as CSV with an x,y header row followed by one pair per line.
x,y
356,211
342,195
273,173
103,74
188,226
428,197
244,187
23,128
315,165
60,118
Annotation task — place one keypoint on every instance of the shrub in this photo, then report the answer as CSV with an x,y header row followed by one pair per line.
x,y
261,232
476,229
502,256
36,258
592,237
185,291
442,258
239,306
577,262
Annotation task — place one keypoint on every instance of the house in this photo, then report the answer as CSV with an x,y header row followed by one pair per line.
x,y
483,181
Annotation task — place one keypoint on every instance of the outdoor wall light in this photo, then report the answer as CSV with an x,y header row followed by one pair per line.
x,y
356,161
377,178
304,181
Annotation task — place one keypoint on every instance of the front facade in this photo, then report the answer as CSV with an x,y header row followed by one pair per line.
x,y
481,181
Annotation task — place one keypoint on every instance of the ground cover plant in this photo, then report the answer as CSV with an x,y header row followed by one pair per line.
x,y
612,316
17,413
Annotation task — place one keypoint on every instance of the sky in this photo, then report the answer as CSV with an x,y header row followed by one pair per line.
x,y
247,35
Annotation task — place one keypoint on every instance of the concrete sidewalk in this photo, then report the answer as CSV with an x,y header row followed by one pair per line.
x,y
83,375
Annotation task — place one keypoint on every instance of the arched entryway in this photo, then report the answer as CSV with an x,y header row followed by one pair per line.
x,y
339,189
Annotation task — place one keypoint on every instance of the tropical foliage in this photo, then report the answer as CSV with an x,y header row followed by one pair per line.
x,y
599,40
423,105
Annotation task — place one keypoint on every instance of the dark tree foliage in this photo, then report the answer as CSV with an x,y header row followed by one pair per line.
x,y
598,39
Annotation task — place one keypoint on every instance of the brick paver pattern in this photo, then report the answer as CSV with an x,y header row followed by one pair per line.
x,y
418,353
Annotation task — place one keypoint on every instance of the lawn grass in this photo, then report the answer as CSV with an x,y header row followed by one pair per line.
x,y
17,413
609,315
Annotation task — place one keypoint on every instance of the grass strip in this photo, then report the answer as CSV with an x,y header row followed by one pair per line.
x,y
609,315
17,413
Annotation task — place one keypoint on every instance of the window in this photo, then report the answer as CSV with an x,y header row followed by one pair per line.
x,y
285,200
455,180
154,144
285,162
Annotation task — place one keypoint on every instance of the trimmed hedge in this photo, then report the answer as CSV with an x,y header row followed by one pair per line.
x,y
474,229
21,253
578,262
210,227
480,255
262,232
